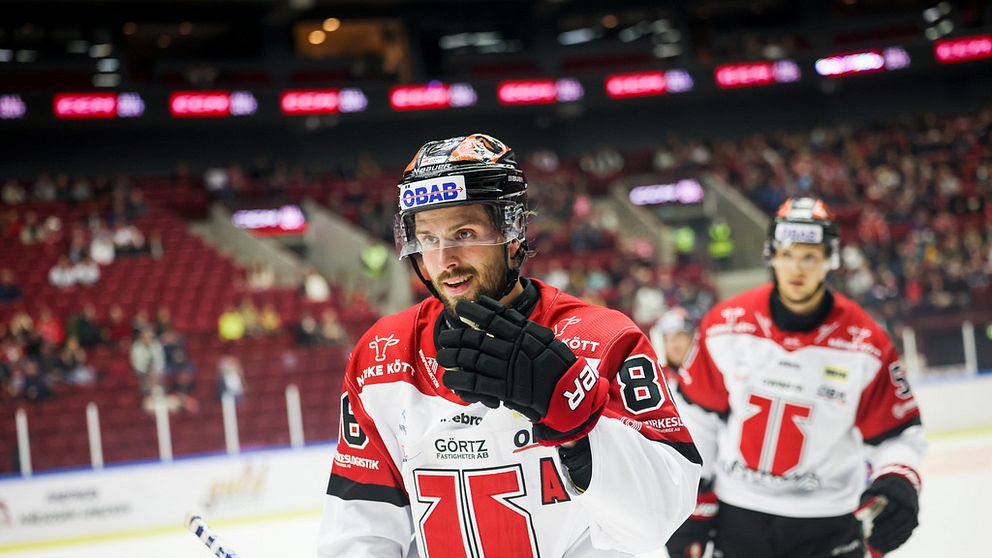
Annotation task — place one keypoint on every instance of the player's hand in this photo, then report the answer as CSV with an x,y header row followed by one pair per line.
x,y
508,358
895,523
689,540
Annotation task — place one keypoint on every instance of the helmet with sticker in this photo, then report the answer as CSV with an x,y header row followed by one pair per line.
x,y
473,169
804,220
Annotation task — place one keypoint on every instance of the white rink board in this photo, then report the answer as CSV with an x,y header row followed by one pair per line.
x,y
153,496
957,486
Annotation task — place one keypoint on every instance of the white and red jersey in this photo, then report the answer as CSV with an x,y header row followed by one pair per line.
x,y
788,423
420,473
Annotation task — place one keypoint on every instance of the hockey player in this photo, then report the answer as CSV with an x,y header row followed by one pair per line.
x,y
500,417
796,397
672,336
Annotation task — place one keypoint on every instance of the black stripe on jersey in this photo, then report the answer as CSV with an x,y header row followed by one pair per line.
x,y
347,489
686,449
723,415
876,440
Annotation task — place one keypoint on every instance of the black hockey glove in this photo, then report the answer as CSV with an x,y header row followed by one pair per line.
x,y
895,523
689,540
506,357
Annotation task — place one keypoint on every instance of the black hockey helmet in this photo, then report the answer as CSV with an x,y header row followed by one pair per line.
x,y
473,169
804,220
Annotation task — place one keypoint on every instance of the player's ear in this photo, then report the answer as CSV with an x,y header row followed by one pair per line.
x,y
512,249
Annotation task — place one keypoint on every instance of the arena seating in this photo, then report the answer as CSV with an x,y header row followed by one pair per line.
x,y
195,282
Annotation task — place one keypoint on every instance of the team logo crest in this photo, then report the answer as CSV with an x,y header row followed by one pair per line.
x,y
380,344
561,326
858,334
732,314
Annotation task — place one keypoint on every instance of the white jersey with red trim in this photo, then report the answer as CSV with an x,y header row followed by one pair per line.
x,y
789,423
419,473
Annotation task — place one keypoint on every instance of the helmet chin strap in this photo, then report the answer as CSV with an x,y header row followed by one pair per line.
x,y
512,274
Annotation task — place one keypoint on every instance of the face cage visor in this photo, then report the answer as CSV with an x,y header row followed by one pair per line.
x,y
787,233
510,217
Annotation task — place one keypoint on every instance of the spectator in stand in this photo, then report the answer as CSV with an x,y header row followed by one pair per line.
x,y
231,324
72,360
182,383
179,370
230,378
52,231
102,245
148,360
62,187
331,329
87,272
136,206
9,291
118,210
163,320
78,247
13,193
119,331
175,348
84,327
306,332
315,287
270,320
49,362
10,225
21,326
261,277
249,315
81,191
62,274
44,188
128,240
31,231
217,182
141,322
155,248
49,327
31,383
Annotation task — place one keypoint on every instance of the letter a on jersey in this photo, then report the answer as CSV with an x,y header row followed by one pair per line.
x,y
552,488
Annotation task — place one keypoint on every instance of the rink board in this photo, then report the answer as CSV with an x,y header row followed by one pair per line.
x,y
152,496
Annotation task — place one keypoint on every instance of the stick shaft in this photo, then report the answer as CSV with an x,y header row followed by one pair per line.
x,y
199,527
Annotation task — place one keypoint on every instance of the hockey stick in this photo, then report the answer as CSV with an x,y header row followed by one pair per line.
x,y
199,527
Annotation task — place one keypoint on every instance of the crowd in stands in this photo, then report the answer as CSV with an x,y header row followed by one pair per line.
x,y
914,198
43,351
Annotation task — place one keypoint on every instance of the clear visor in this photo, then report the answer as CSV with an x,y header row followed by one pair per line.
x,y
409,242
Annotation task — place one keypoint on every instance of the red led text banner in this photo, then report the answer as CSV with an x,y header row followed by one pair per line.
x,y
431,96
647,84
285,220
538,91
964,49
756,74
211,104
322,101
97,105
864,62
